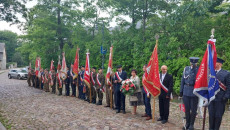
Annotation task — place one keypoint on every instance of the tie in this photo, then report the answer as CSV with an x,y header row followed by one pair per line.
x,y
216,72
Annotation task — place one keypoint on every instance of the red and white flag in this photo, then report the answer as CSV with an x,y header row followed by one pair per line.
x,y
87,70
59,73
38,66
76,64
151,80
109,70
63,68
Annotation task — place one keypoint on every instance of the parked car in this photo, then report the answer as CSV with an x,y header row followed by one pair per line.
x,y
17,73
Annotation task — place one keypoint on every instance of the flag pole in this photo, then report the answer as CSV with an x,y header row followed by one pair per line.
x,y
111,93
90,93
205,107
153,115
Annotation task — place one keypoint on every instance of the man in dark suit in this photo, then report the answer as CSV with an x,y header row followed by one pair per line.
x,y
166,90
217,107
67,82
119,77
147,98
81,83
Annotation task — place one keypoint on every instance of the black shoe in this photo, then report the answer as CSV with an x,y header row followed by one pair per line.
x,y
118,111
164,121
107,106
191,127
99,103
124,112
159,119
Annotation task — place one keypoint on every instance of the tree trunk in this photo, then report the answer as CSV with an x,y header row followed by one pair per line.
x,y
145,9
59,30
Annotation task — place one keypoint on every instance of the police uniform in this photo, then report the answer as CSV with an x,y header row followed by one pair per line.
x,y
217,107
190,100
93,86
100,84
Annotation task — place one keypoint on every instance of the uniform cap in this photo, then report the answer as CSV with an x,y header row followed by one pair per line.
x,y
219,60
119,66
194,59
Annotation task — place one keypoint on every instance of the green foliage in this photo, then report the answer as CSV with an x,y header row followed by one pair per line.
x,y
184,29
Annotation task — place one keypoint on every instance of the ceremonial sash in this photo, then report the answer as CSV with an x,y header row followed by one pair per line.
x,y
98,82
163,87
59,81
146,90
222,85
92,78
42,79
46,78
118,77
102,89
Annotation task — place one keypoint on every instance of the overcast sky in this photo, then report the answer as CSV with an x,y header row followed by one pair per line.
x,y
16,28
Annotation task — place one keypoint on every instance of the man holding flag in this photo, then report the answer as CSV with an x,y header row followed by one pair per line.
x,y
212,85
217,106
187,86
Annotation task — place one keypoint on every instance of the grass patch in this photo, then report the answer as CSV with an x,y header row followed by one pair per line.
x,y
4,121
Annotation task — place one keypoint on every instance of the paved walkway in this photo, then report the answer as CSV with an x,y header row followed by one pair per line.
x,y
29,108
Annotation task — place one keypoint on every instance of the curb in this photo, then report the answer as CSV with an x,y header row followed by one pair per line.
x,y
2,127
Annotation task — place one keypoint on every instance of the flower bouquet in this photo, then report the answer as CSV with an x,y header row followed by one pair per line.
x,y
128,87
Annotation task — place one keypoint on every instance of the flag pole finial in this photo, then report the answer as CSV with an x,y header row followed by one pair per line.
x,y
212,32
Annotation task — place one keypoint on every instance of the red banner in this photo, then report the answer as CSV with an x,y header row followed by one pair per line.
x,y
59,73
109,71
152,79
87,71
38,66
63,68
76,64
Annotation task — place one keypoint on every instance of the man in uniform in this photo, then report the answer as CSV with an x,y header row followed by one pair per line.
x,y
93,85
187,85
67,82
72,82
147,98
100,84
29,76
40,79
109,88
81,83
46,81
33,77
217,107
53,85
119,77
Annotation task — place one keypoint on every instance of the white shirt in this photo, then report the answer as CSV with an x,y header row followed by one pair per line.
x,y
217,70
163,76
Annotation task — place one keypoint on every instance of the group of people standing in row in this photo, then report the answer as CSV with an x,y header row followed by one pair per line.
x,y
141,96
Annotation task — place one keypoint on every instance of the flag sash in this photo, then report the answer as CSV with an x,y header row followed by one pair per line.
x,y
98,81
92,78
118,77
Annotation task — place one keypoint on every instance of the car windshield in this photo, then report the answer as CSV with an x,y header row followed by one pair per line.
x,y
23,71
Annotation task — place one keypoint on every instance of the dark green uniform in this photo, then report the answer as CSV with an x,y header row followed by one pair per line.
x,y
93,86
29,77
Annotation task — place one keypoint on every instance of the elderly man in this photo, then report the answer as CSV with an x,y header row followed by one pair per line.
x,y
166,90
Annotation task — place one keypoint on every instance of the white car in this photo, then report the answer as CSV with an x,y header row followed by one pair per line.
x,y
17,73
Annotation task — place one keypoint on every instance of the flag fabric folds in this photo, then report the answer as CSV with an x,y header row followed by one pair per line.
x,y
76,64
87,71
151,80
37,67
109,70
207,85
59,73
63,68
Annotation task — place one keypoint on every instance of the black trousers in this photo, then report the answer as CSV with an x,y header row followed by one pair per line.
x,y
216,110
147,100
164,107
191,104
67,89
73,89
120,99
